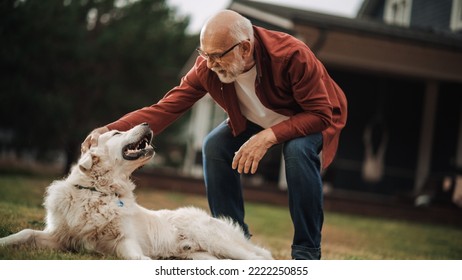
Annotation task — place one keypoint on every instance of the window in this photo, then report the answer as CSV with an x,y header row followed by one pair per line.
x,y
456,15
398,12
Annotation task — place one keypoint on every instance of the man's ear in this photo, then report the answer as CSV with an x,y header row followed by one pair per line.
x,y
85,162
247,48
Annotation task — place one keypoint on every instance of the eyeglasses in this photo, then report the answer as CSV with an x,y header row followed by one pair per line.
x,y
216,56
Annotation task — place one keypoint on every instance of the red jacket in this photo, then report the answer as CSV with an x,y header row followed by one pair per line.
x,y
290,80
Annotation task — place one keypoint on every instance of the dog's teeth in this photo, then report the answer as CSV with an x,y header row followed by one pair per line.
x,y
143,144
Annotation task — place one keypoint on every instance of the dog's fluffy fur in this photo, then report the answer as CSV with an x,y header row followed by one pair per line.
x,y
94,209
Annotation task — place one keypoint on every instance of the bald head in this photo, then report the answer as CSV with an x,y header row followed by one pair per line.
x,y
225,28
226,42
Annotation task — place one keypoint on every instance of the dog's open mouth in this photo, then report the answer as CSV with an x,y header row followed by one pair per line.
x,y
140,148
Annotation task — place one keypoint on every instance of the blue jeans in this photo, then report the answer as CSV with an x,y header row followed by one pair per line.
x,y
302,164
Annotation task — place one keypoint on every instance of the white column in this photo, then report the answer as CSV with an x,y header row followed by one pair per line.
x,y
199,126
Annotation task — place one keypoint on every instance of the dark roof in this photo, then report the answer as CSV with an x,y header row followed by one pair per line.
x,y
368,7
359,25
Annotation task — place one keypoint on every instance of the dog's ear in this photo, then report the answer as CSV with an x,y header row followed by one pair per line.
x,y
85,162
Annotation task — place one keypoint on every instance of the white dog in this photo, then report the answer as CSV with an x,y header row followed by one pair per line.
x,y
94,209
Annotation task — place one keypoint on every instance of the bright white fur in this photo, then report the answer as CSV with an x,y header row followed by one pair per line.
x,y
94,209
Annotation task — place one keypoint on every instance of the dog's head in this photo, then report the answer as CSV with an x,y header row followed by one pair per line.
x,y
120,152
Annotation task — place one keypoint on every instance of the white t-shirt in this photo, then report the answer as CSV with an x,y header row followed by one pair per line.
x,y
250,105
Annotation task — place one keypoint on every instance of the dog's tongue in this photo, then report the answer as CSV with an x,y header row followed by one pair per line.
x,y
132,153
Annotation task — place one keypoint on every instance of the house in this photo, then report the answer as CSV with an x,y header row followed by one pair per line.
x,y
400,65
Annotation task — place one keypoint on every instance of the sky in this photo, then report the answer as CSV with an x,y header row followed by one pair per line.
x,y
200,10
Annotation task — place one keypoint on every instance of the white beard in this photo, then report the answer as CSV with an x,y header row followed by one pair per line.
x,y
230,75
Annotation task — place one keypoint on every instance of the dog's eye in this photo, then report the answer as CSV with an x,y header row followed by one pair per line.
x,y
116,133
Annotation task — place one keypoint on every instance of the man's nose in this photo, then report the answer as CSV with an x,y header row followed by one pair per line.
x,y
211,63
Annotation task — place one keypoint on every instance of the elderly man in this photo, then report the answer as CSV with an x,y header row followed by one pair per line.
x,y
275,91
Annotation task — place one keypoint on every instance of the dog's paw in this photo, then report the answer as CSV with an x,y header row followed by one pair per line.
x,y
138,258
4,242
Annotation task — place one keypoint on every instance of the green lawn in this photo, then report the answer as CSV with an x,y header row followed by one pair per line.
x,y
344,236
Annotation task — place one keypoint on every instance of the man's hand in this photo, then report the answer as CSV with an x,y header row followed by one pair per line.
x,y
92,138
251,152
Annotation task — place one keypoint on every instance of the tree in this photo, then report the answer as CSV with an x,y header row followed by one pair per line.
x,y
74,65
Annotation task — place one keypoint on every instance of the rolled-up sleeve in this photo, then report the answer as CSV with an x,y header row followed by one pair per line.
x,y
173,105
